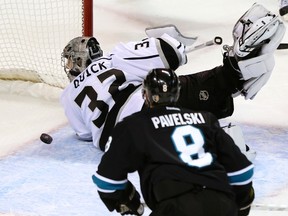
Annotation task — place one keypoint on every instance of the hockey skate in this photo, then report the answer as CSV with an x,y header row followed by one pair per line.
x,y
283,9
236,134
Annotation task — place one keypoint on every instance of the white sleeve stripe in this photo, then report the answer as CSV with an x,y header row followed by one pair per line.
x,y
110,180
241,171
241,177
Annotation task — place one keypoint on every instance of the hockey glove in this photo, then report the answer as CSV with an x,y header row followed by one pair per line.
x,y
256,36
130,204
125,200
246,204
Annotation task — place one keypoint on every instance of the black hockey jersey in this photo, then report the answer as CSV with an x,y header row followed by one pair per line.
x,y
176,144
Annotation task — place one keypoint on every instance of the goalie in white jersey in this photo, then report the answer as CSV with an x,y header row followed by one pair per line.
x,y
109,88
105,89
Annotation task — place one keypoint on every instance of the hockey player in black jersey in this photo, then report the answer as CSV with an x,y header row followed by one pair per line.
x,y
186,162
105,89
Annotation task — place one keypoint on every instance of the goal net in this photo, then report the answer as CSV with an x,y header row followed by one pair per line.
x,y
33,35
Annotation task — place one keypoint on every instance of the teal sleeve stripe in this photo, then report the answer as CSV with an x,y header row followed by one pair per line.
x,y
242,177
103,185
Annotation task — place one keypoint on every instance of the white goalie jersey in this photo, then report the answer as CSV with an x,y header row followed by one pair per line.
x,y
109,89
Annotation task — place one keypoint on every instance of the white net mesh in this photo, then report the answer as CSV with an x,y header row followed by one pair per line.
x,y
33,34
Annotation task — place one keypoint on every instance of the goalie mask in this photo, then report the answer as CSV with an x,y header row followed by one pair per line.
x,y
78,54
161,87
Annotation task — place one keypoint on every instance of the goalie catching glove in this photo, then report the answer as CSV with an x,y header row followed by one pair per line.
x,y
257,34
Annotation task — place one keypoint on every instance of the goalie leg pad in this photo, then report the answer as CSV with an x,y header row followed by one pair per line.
x,y
235,132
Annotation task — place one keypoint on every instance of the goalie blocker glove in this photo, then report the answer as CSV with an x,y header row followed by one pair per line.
x,y
257,34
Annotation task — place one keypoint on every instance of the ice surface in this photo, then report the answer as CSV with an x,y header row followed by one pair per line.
x,y
40,179
55,179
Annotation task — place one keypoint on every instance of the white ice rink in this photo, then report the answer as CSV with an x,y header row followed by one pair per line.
x,y
55,180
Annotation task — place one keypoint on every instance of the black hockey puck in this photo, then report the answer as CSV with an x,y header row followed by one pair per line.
x,y
46,138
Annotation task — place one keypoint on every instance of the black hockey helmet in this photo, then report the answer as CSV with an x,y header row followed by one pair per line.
x,y
78,54
161,87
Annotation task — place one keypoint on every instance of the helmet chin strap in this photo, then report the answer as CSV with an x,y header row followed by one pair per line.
x,y
74,73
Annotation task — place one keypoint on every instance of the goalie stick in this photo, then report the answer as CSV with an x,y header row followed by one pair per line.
x,y
282,46
174,32
258,207
216,41
267,207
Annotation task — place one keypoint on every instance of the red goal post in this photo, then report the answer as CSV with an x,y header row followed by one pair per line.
x,y
34,33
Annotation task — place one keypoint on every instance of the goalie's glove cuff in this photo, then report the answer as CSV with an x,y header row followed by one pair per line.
x,y
233,75
257,66
256,72
253,85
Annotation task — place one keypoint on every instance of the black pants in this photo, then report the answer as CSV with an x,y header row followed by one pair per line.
x,y
204,202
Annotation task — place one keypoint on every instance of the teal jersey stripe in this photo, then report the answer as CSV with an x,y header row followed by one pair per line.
x,y
241,177
108,186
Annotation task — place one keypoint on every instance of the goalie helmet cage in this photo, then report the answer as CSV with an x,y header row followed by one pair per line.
x,y
34,33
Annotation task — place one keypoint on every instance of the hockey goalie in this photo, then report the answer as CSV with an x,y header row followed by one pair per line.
x,y
106,89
